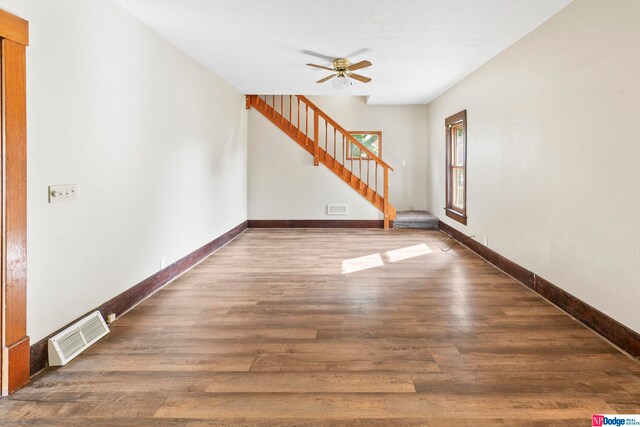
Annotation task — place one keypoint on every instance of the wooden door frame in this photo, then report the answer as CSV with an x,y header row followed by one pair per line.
x,y
14,342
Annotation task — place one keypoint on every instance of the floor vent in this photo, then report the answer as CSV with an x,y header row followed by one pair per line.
x,y
337,210
76,338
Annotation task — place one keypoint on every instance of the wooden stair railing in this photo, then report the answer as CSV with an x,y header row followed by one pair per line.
x,y
329,144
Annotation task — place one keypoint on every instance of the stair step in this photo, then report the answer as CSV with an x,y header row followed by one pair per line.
x,y
415,219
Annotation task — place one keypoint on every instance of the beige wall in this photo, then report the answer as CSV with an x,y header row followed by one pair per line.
x,y
284,184
554,141
155,143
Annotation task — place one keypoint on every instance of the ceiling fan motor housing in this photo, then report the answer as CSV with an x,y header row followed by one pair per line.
x,y
341,65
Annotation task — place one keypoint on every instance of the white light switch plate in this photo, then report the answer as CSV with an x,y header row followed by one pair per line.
x,y
62,193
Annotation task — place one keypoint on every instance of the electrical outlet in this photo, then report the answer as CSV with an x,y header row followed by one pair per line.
x,y
62,193
111,318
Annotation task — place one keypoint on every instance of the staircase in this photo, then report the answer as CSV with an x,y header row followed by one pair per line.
x,y
329,144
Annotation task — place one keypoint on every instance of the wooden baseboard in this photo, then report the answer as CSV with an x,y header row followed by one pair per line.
x,y
620,335
134,295
316,223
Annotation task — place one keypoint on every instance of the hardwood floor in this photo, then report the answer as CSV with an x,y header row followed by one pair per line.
x,y
302,327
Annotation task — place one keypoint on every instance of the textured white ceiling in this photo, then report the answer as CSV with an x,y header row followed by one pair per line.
x,y
419,48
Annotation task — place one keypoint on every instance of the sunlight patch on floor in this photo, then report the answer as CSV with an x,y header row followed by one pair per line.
x,y
366,262
361,263
408,252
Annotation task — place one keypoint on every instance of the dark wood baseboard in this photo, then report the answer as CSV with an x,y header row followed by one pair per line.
x,y
134,295
620,335
316,223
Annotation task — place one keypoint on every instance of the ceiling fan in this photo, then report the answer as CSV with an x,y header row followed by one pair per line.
x,y
343,72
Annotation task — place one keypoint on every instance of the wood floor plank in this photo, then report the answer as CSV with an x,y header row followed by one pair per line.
x,y
359,405
162,362
316,382
308,327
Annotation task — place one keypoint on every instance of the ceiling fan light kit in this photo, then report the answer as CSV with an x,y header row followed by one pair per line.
x,y
341,82
343,73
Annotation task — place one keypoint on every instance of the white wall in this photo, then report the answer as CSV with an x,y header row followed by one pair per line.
x,y
155,143
274,160
554,141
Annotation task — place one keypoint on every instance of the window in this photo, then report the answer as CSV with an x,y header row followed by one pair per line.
x,y
456,141
370,139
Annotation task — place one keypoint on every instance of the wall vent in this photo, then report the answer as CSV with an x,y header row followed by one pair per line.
x,y
69,343
337,209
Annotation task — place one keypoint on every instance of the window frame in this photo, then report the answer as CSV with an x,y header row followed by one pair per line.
x,y
364,132
451,210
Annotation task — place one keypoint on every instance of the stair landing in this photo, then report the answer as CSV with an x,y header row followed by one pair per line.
x,y
415,219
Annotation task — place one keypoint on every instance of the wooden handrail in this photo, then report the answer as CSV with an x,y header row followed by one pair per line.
x,y
345,132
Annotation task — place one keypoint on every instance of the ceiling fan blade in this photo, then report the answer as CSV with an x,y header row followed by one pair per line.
x,y
359,65
326,78
320,66
318,55
358,77
357,52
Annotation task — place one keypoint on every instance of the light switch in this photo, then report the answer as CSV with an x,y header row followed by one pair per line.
x,y
62,193
404,163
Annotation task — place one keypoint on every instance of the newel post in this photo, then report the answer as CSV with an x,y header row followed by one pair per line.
x,y
316,150
386,199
